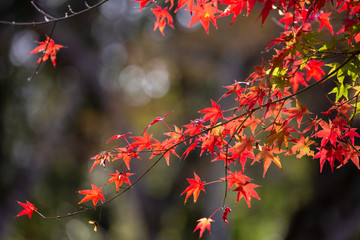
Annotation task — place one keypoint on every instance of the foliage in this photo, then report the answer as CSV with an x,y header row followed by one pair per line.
x,y
265,104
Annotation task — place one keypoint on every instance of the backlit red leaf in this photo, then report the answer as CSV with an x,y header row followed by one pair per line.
x,y
162,15
204,14
247,191
49,49
119,179
29,208
204,223
196,185
93,195
212,113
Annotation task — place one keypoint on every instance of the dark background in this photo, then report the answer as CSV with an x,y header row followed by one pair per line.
x,y
116,75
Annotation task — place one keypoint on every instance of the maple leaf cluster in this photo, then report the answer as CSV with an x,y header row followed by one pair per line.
x,y
207,11
266,119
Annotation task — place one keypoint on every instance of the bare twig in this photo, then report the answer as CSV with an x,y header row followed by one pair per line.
x,y
54,19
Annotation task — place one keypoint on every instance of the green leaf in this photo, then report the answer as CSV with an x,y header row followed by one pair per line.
x,y
341,90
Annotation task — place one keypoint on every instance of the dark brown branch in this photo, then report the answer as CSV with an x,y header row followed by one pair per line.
x,y
53,19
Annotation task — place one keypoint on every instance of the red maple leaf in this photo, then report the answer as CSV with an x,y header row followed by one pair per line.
x,y
204,14
328,153
252,122
328,133
296,112
237,179
351,153
119,179
233,88
235,126
29,208
212,113
234,7
266,10
190,148
126,154
209,141
196,185
161,15
351,133
49,49
166,147
296,79
288,19
255,95
195,127
267,153
176,136
142,142
118,136
280,132
204,223
100,159
94,194
342,108
157,119
324,21
314,70
247,191
229,158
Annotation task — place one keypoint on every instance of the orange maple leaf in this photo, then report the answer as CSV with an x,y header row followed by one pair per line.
x,y
126,154
120,178
161,15
280,133
100,159
204,223
142,142
196,185
236,179
267,153
176,136
303,146
297,112
212,113
204,14
29,208
94,194
166,147
247,191
49,49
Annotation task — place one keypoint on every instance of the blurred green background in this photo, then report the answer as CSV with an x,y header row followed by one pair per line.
x,y
116,75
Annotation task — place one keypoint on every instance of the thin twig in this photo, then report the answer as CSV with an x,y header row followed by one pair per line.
x,y
66,17
46,15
